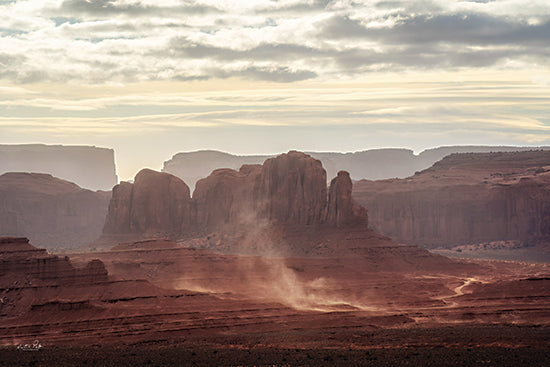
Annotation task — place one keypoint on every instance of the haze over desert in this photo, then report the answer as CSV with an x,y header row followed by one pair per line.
x,y
274,183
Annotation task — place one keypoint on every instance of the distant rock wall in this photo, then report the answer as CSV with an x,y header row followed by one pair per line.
x,y
87,166
374,164
53,213
464,199
289,189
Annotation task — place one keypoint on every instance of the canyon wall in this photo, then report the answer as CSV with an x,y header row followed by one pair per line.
x,y
88,166
373,164
52,212
464,199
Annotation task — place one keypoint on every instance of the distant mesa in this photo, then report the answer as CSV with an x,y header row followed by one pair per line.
x,y
87,166
374,164
53,213
465,199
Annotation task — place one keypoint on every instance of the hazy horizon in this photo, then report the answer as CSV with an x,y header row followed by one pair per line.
x,y
151,79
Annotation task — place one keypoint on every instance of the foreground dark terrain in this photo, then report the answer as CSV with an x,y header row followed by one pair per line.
x,y
444,346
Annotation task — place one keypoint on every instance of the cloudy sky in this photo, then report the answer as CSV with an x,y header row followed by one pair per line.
x,y
154,77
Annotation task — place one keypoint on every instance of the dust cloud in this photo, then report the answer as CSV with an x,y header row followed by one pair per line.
x,y
266,276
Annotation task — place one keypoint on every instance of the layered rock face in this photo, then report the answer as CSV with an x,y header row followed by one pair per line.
x,y
20,260
465,199
89,167
53,213
287,190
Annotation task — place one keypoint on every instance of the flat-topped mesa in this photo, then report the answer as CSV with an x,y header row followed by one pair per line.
x,y
155,203
21,260
89,167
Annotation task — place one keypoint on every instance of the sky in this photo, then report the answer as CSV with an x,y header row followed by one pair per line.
x,y
152,78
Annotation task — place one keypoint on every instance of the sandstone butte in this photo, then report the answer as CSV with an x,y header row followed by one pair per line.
x,y
284,197
465,199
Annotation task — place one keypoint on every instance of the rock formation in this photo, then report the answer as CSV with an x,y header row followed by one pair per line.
x,y
89,167
465,199
155,202
225,197
289,190
52,212
342,210
292,189
373,164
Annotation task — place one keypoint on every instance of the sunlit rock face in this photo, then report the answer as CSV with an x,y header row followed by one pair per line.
x,y
464,198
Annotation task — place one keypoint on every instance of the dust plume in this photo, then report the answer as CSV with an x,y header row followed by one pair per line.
x,y
267,273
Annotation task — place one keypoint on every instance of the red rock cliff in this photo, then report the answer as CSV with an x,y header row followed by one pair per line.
x,y
464,199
